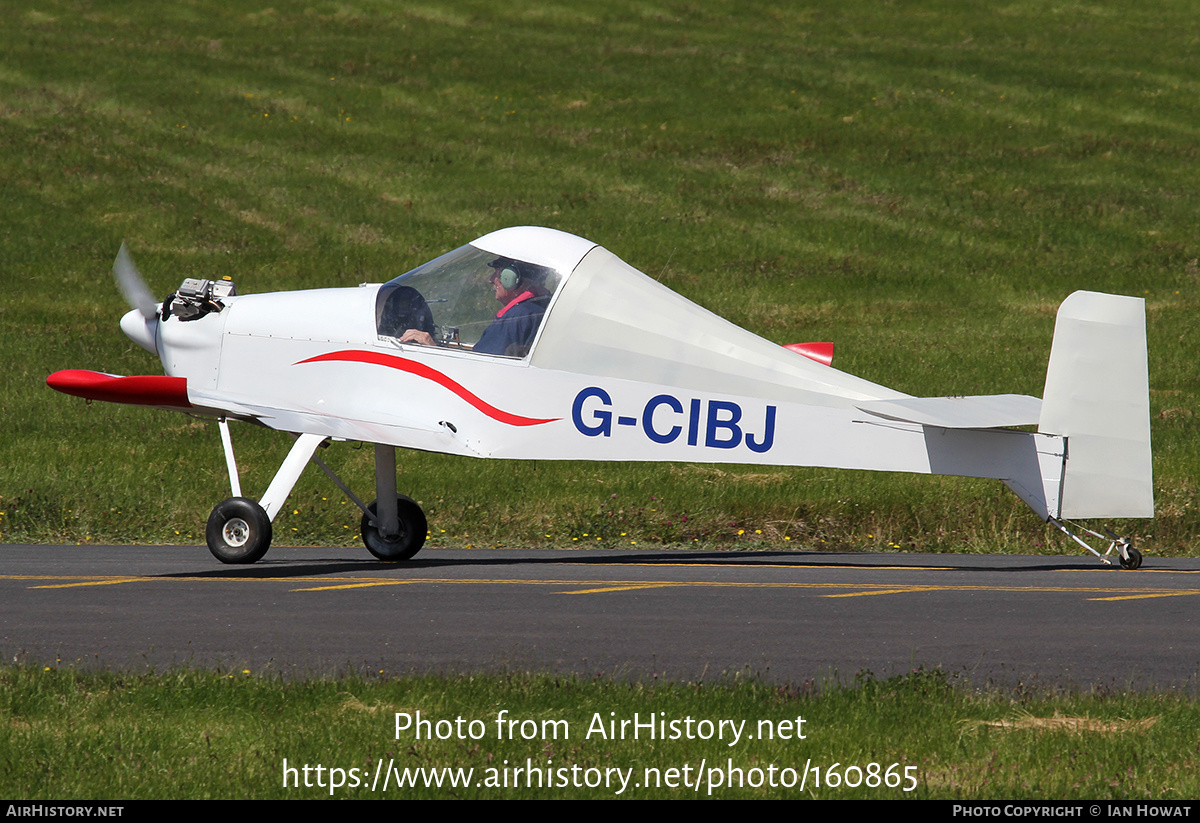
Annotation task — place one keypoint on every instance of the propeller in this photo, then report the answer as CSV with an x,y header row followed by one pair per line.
x,y
142,329
134,289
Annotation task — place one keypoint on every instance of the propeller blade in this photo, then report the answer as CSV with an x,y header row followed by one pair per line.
x,y
134,289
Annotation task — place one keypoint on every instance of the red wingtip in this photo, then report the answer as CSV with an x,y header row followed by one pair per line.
x,y
137,390
821,352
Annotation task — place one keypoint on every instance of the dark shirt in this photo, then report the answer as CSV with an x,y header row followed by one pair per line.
x,y
514,328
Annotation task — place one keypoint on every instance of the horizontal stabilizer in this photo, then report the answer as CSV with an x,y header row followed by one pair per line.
x,y
979,412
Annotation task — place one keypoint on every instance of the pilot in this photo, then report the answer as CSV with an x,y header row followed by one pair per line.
x,y
520,287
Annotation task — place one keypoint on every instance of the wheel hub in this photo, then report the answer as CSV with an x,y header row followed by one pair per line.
x,y
236,532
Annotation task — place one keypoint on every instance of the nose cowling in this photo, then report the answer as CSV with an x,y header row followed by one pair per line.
x,y
141,329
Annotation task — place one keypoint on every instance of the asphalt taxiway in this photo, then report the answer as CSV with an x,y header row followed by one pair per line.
x,y
780,616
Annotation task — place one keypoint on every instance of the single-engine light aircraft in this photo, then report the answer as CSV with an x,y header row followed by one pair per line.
x,y
533,344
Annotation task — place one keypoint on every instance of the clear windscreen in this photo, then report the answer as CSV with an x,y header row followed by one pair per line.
x,y
454,301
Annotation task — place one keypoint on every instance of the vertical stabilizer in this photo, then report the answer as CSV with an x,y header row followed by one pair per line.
x,y
1098,396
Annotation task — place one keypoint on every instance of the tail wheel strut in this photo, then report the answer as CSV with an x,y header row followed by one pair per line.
x,y
1129,557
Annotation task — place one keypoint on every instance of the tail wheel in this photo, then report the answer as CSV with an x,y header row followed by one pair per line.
x,y
409,538
1134,561
238,531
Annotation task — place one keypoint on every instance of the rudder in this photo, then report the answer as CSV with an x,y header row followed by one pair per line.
x,y
1097,395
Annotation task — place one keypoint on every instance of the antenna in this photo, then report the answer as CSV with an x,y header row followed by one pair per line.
x,y
664,268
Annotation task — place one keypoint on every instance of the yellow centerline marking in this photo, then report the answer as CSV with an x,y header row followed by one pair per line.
x,y
602,586
904,590
356,585
1145,596
813,567
630,587
111,582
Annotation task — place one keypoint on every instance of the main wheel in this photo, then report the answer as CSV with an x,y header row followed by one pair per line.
x,y
239,531
1134,561
407,542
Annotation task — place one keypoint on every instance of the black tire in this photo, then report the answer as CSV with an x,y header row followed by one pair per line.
x,y
405,545
238,531
1134,561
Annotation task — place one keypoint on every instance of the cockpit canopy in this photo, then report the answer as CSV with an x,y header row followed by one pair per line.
x,y
590,313
469,299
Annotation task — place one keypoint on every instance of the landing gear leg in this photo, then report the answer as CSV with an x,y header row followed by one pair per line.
x,y
239,529
393,526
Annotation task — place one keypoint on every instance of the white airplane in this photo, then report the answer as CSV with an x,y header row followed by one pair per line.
x,y
533,344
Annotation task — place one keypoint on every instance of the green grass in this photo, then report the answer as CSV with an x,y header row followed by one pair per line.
x,y
920,182
66,734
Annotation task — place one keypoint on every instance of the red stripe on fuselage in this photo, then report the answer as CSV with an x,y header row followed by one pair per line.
x,y
421,370
135,390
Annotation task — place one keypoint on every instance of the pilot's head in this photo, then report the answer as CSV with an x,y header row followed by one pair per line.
x,y
507,278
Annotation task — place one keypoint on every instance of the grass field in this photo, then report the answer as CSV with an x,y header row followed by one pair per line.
x,y
129,736
920,182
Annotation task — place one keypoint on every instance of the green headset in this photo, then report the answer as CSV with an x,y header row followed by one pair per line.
x,y
510,276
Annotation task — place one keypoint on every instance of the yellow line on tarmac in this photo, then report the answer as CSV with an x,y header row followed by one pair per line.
x,y
632,587
805,567
905,590
815,567
357,585
110,582
1146,596
319,583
